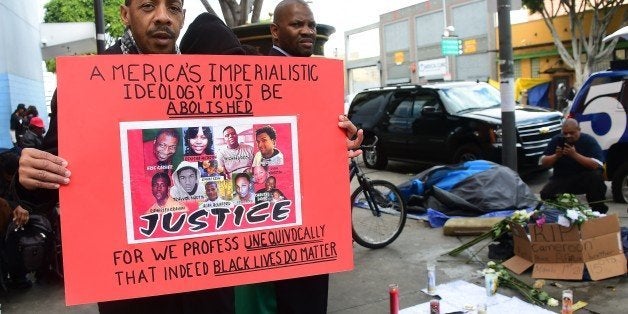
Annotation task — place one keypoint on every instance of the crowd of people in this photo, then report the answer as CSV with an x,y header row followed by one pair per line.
x,y
26,127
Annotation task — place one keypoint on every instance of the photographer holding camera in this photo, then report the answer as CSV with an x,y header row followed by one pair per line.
x,y
577,162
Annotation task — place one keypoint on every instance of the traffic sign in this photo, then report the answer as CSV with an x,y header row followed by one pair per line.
x,y
451,46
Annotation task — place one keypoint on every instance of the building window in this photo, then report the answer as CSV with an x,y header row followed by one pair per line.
x,y
620,54
517,69
536,67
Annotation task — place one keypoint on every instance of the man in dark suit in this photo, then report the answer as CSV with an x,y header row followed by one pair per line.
x,y
293,30
294,34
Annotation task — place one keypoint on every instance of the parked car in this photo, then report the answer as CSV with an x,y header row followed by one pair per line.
x,y
447,123
600,106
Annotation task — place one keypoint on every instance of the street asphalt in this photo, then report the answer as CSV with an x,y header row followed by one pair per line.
x,y
365,289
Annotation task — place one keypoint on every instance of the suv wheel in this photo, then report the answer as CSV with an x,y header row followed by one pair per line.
x,y
467,152
374,158
620,184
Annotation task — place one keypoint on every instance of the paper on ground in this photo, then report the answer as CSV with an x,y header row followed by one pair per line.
x,y
458,294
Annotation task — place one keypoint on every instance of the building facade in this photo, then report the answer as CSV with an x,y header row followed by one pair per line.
x,y
410,44
21,73
410,51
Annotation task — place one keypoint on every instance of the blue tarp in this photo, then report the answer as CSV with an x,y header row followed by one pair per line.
x,y
538,95
470,189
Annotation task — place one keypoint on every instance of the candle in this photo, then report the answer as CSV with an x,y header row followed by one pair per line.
x,y
393,290
567,302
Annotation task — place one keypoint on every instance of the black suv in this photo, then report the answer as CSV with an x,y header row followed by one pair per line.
x,y
446,123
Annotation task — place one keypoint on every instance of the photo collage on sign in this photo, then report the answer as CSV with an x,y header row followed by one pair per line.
x,y
212,167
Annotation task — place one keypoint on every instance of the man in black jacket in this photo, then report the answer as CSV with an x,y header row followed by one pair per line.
x,y
294,35
152,28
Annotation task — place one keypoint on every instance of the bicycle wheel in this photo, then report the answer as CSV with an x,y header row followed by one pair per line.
x,y
375,228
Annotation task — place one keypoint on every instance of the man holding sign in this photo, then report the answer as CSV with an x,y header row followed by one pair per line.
x,y
152,28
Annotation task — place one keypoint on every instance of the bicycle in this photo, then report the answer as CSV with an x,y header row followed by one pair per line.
x,y
378,213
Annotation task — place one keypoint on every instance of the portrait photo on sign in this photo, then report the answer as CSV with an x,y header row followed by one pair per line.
x,y
208,177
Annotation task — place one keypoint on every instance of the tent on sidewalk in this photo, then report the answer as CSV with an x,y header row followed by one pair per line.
x,y
469,189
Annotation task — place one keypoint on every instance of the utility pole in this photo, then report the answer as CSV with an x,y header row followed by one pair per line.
x,y
100,26
446,34
507,86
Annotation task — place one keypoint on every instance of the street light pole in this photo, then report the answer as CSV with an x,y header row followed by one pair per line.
x,y
506,75
100,26
445,31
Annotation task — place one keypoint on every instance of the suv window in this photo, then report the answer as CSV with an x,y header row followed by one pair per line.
x,y
403,109
412,106
472,97
367,103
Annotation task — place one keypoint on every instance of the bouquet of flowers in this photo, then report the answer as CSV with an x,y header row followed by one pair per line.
x,y
506,279
571,210
519,217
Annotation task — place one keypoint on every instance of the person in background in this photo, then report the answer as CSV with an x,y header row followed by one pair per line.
x,y
209,35
152,27
31,112
16,127
577,162
34,135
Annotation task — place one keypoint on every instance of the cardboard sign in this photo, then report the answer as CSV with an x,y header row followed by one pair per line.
x,y
568,271
562,253
171,160
607,267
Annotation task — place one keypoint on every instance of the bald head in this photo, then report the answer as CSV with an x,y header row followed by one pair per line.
x,y
571,130
283,6
294,28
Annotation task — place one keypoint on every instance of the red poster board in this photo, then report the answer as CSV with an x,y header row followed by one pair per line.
x,y
149,142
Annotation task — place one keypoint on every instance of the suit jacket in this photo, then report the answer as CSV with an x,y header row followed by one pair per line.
x,y
274,52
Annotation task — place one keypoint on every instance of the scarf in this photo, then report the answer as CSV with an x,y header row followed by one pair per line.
x,y
128,45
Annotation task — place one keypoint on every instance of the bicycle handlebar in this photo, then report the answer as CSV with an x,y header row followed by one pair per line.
x,y
370,146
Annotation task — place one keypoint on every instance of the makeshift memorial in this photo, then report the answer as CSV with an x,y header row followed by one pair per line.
x,y
569,208
506,279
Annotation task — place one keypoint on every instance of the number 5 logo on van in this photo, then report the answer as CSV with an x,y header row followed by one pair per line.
x,y
603,116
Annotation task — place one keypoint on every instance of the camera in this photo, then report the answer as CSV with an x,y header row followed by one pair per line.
x,y
560,142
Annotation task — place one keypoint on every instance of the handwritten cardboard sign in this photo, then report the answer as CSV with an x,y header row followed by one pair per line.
x,y
558,252
171,160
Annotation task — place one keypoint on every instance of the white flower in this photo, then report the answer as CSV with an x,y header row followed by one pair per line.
x,y
491,264
572,214
488,271
552,302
